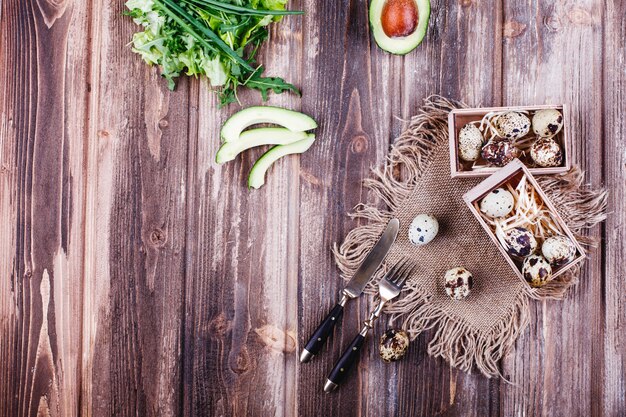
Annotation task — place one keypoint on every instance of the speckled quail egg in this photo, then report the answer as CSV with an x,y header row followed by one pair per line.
x,y
423,229
547,122
558,250
458,283
519,242
470,142
393,345
499,152
512,125
536,270
546,152
497,203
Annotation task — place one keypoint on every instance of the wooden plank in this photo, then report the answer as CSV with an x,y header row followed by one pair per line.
x,y
41,260
242,275
135,234
611,398
557,364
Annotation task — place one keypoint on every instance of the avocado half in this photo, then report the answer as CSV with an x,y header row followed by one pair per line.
x,y
395,26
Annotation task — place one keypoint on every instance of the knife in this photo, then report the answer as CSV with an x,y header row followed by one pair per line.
x,y
354,288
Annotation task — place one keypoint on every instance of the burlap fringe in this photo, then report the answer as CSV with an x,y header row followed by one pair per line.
x,y
454,340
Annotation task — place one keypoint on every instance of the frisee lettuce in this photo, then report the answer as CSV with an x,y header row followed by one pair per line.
x,y
215,38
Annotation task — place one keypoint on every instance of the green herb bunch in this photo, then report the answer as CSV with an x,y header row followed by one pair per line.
x,y
215,38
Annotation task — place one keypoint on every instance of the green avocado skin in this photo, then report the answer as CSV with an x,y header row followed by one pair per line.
x,y
403,45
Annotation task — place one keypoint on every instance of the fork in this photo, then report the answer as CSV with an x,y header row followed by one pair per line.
x,y
388,288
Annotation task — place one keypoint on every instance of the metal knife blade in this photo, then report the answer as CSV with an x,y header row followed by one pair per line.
x,y
373,260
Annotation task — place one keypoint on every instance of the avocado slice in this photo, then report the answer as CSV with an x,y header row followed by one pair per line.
x,y
292,120
399,26
257,137
257,174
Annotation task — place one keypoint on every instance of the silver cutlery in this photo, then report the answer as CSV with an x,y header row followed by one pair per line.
x,y
388,289
353,289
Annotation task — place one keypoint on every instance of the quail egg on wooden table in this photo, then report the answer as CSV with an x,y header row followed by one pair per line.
x,y
547,122
470,142
393,345
536,270
558,250
546,152
423,229
499,152
519,242
512,125
458,283
498,203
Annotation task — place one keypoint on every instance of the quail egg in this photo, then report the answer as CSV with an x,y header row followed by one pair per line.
x,y
512,125
536,270
459,283
470,142
393,345
499,152
546,152
547,122
423,229
558,250
497,203
519,242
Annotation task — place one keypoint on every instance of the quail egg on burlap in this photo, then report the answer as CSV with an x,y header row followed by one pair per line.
x,y
498,203
546,152
519,242
536,270
393,345
512,125
458,283
423,229
470,142
558,250
547,122
499,152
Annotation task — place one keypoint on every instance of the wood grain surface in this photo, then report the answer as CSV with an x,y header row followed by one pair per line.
x,y
139,278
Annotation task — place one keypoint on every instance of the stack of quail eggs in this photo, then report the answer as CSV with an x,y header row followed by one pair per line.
x,y
507,130
538,259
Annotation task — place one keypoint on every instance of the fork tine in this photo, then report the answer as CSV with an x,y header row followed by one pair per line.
x,y
401,271
405,275
393,271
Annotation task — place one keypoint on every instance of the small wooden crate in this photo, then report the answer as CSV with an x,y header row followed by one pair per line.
x,y
460,117
513,172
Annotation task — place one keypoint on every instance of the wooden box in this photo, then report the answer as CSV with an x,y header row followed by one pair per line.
x,y
460,117
513,173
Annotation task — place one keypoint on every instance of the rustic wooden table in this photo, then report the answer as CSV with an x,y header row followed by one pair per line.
x,y
137,277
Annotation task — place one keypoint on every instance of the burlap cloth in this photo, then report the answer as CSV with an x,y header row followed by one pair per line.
x,y
478,331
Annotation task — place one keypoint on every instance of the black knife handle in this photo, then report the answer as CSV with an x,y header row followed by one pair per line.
x,y
324,330
343,365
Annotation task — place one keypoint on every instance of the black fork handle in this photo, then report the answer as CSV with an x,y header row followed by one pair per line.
x,y
345,363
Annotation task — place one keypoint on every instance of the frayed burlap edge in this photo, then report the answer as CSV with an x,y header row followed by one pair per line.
x,y
455,340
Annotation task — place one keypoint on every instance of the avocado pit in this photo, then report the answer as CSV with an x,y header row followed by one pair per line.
x,y
399,18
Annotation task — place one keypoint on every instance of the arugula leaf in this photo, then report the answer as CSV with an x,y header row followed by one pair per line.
x,y
266,84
